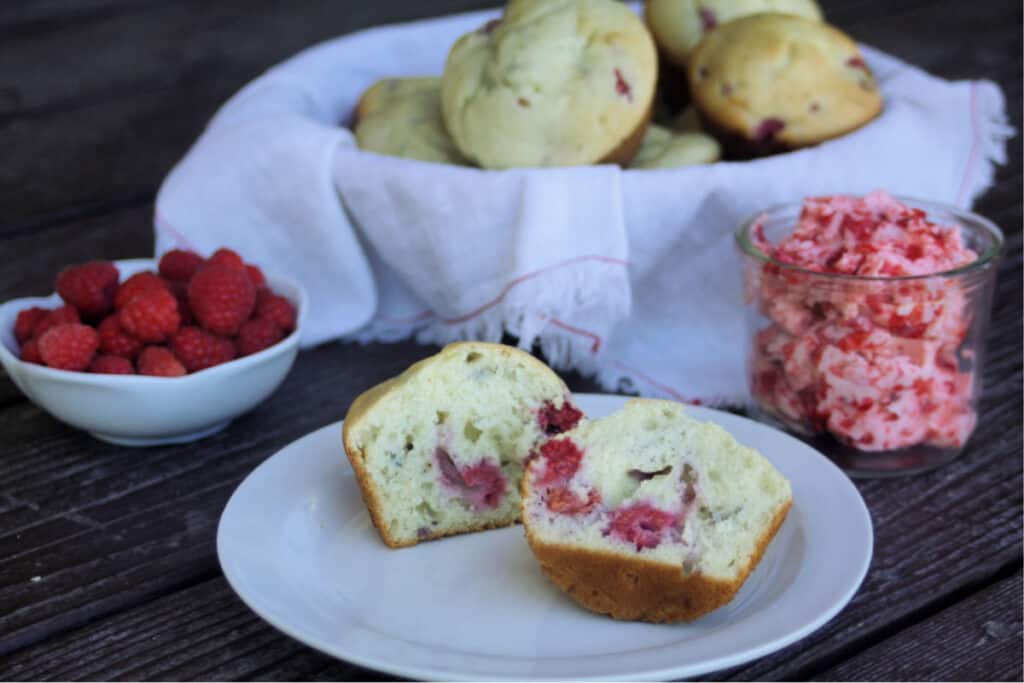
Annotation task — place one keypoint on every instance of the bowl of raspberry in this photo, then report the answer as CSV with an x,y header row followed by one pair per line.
x,y
143,352
867,320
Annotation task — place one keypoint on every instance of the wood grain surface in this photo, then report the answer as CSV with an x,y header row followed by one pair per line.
x,y
108,567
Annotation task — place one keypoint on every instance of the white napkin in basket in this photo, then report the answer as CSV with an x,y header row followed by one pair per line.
x,y
631,275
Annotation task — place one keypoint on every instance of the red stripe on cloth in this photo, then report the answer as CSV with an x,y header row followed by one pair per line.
x,y
656,384
529,276
424,315
163,225
972,158
594,348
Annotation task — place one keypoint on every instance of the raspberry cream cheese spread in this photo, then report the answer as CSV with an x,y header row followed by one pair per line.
x,y
873,361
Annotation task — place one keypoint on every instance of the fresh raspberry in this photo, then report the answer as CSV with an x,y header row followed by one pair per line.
x,y
227,257
114,341
180,291
151,316
137,284
257,334
563,459
179,265
58,316
222,298
256,275
30,352
641,524
111,365
554,421
159,362
276,308
70,346
89,287
197,349
26,322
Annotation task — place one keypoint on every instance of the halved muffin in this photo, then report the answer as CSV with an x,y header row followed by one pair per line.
x,y
650,515
439,449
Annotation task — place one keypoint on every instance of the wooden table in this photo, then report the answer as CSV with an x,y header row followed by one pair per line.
x,y
107,560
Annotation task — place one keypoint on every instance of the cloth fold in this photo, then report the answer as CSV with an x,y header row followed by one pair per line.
x,y
628,275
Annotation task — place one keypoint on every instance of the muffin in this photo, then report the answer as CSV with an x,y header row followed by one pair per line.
x,y
553,83
439,449
402,117
679,25
650,515
773,82
663,148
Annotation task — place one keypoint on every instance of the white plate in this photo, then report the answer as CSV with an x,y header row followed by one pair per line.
x,y
297,545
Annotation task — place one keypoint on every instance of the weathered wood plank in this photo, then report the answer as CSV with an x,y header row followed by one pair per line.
x,y
983,487
33,258
986,638
189,629
98,110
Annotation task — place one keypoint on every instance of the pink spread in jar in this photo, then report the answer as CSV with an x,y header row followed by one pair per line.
x,y
873,360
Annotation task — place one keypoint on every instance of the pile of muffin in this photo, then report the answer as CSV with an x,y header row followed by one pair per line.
x,y
578,82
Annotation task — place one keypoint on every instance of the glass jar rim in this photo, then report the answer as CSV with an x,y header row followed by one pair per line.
x,y
966,219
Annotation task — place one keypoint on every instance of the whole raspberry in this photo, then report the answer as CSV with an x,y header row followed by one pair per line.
x,y
256,275
198,349
151,316
70,346
30,352
137,284
276,308
89,287
179,265
227,257
222,298
111,365
26,322
256,335
114,341
58,316
159,362
180,291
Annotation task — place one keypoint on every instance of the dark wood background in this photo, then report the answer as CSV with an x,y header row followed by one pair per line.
x,y
107,561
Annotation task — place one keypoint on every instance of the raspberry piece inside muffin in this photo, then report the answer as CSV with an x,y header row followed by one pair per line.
x,y
481,485
558,420
642,524
857,62
562,458
564,501
622,86
768,129
708,19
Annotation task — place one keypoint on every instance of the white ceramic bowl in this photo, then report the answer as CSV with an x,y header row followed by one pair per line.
x,y
134,410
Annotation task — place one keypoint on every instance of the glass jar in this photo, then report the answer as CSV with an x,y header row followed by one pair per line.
x,y
882,374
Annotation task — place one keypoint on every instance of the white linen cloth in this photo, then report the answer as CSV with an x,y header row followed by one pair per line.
x,y
631,275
